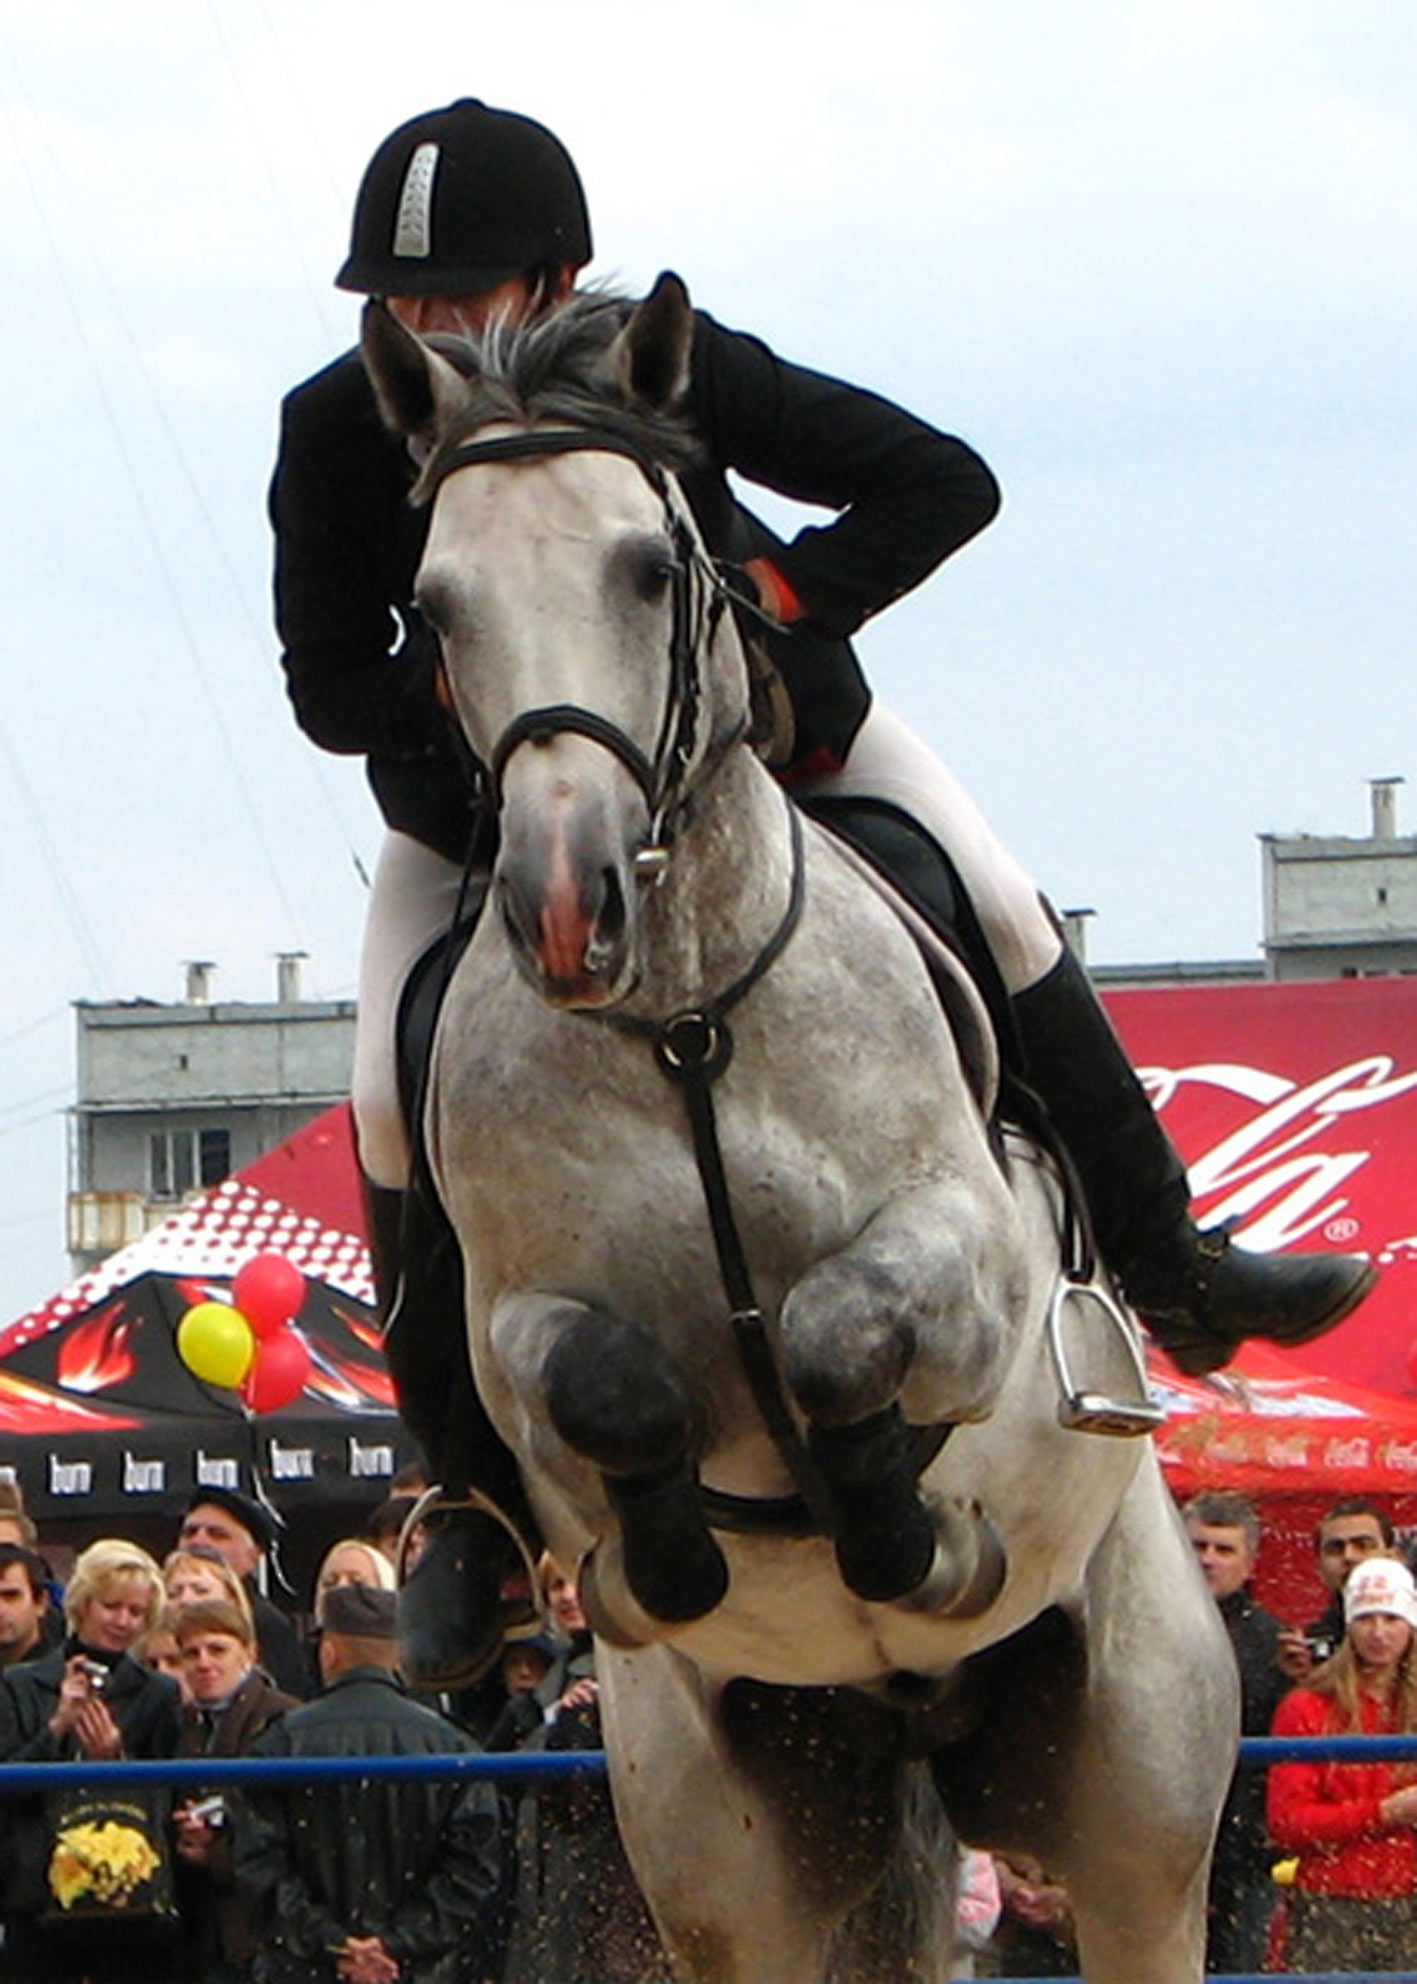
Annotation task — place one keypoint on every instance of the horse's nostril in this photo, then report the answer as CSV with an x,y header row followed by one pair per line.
x,y
609,927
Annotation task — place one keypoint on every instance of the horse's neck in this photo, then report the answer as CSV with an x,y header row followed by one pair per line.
x,y
726,890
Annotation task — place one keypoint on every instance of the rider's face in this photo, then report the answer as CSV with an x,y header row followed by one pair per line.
x,y
514,300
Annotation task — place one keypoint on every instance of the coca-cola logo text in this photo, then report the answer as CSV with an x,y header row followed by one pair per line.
x,y
1267,1175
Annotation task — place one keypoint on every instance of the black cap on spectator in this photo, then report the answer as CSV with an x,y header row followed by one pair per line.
x,y
361,1611
258,1522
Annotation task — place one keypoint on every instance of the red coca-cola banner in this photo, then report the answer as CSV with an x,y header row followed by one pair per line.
x,y
1295,1108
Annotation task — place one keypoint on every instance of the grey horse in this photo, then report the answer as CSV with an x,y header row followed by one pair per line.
x,y
776,1320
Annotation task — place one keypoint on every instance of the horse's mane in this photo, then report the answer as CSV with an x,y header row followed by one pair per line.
x,y
555,371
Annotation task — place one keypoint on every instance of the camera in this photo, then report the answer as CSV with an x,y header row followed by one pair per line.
x,y
96,1674
211,1811
1320,1646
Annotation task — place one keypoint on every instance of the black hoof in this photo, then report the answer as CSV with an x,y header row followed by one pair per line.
x,y
673,1566
885,1537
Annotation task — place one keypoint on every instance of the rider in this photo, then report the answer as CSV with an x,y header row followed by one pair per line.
x,y
466,213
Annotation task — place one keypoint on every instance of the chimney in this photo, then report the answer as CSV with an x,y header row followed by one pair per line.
x,y
288,965
199,981
1384,792
1075,931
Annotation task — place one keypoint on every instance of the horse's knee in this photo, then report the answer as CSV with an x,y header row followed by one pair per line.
x,y
616,1396
845,1352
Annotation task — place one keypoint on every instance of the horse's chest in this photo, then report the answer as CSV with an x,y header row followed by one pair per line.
x,y
566,1143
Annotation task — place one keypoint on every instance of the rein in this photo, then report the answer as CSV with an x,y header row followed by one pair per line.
x,y
691,1048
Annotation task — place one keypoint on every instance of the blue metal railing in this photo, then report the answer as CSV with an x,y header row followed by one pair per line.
x,y
514,1765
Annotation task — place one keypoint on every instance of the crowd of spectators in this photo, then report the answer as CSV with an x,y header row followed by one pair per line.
x,y
452,1881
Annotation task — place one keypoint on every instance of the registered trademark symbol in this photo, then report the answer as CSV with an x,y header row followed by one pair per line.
x,y
1341,1231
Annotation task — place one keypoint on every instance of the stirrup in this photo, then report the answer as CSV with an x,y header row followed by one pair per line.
x,y
519,1621
1084,1411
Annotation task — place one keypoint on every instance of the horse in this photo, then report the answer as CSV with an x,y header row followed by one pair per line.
x,y
778,1320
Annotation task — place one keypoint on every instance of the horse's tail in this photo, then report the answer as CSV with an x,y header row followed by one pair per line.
x,y
905,1928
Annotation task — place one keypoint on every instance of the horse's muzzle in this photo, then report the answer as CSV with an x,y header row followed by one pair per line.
x,y
569,930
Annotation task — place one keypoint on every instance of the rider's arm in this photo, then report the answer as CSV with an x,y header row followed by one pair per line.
x,y
906,495
346,548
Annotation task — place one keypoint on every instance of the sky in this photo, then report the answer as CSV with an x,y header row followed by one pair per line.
x,y
1157,262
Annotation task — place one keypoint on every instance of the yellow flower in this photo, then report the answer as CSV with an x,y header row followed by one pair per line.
x,y
106,1862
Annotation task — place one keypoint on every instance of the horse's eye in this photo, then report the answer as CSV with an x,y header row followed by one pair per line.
x,y
654,573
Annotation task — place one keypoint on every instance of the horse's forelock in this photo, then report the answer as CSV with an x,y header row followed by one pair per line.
x,y
554,371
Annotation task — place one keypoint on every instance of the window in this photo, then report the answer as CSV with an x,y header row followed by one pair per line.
x,y
183,1161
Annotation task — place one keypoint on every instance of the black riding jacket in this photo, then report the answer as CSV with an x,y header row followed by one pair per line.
x,y
360,663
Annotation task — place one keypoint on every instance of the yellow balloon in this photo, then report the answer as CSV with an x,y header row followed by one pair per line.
x,y
216,1344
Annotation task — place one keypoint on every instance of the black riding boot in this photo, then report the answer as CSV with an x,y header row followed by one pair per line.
x,y
454,1606
1199,1296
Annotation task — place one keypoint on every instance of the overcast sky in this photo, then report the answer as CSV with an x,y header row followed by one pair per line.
x,y
1156,261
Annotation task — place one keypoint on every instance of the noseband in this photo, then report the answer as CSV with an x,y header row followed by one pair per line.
x,y
698,599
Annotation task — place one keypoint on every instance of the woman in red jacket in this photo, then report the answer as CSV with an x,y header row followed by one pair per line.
x,y
1354,1825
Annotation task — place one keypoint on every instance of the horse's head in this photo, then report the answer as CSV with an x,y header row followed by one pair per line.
x,y
589,658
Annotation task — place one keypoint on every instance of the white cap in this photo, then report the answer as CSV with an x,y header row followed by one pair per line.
x,y
1380,1584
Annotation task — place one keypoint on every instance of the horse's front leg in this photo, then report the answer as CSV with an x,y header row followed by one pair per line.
x,y
912,1321
612,1393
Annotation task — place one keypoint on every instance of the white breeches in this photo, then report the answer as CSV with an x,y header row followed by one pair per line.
x,y
415,898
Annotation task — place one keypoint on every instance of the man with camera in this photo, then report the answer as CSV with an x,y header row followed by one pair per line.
x,y
1353,1530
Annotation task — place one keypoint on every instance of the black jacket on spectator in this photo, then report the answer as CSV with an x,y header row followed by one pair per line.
x,y
360,662
217,1938
147,1709
412,1862
1242,1848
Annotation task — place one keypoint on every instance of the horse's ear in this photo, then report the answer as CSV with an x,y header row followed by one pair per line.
x,y
414,386
651,355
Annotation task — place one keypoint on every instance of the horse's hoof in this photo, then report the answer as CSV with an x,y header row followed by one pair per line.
x,y
969,1567
613,1608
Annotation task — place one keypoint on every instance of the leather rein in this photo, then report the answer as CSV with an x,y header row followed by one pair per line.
x,y
691,1048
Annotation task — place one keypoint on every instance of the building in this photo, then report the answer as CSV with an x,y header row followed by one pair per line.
x,y
171,1099
1340,908
1334,907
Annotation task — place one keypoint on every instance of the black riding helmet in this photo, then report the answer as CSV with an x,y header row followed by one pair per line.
x,y
462,199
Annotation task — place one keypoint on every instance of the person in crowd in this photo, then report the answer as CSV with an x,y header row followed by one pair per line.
x,y
243,1533
367,1884
353,1560
17,1525
191,1576
470,215
87,1699
1224,1529
578,1916
26,1616
1353,1826
386,1525
1354,1529
978,1905
158,1648
229,1702
1035,1936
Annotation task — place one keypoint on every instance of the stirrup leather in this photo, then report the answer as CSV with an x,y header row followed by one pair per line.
x,y
519,1620
1081,1409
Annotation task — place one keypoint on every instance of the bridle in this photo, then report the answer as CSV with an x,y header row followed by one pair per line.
x,y
692,1048
699,596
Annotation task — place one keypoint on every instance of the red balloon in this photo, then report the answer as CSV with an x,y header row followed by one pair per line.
x,y
268,1291
279,1373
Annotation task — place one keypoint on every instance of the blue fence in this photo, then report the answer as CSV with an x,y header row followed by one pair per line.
x,y
512,1766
